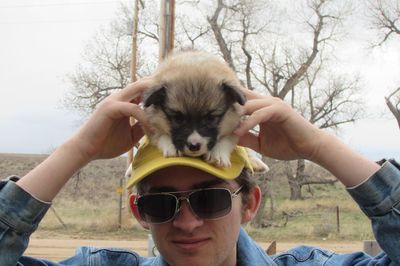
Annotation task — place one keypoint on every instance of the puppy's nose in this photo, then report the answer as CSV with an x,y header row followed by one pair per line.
x,y
194,146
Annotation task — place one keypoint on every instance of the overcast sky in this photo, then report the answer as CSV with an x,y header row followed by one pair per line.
x,y
42,41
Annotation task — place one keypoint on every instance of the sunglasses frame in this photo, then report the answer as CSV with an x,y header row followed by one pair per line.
x,y
186,198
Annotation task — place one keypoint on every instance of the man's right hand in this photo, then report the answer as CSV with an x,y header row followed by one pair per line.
x,y
108,132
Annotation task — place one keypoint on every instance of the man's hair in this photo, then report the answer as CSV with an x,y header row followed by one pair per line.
x,y
244,179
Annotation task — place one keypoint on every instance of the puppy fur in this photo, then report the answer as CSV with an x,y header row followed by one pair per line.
x,y
194,106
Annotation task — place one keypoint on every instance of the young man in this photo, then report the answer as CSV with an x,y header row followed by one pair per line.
x,y
194,210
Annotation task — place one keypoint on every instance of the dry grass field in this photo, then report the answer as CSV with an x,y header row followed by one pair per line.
x,y
89,208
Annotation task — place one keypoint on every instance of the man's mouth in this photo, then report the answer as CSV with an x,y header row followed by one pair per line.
x,y
190,244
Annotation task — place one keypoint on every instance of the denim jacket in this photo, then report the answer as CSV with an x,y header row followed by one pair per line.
x,y
378,197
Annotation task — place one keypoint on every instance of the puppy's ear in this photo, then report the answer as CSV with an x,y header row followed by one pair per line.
x,y
233,94
155,97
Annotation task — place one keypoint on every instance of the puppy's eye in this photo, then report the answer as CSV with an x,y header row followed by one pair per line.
x,y
177,116
211,117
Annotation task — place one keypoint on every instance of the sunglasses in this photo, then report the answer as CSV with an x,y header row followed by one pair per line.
x,y
207,203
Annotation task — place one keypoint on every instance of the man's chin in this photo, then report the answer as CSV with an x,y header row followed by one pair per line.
x,y
193,255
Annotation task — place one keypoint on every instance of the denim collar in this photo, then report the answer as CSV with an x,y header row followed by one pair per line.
x,y
250,253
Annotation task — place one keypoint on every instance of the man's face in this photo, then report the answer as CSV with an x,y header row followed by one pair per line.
x,y
188,240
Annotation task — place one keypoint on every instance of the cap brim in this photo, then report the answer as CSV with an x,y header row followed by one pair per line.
x,y
149,159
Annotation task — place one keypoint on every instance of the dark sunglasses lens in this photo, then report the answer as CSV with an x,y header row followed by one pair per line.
x,y
157,208
211,203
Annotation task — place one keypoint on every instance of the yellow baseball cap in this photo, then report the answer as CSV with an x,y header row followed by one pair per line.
x,y
149,159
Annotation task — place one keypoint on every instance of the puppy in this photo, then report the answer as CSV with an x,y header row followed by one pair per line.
x,y
194,106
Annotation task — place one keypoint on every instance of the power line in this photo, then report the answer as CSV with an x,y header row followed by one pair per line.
x,y
52,21
60,4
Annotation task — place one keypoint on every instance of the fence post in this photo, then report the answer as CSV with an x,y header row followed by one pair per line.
x,y
120,191
338,219
271,249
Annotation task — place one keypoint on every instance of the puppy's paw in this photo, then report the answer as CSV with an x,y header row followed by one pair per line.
x,y
221,153
167,147
218,158
171,152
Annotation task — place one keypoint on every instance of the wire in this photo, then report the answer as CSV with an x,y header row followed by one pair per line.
x,y
60,4
53,21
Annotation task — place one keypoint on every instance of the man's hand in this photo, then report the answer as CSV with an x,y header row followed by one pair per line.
x,y
283,133
108,132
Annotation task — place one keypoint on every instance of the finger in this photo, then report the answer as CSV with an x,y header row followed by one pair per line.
x,y
133,90
251,141
262,115
250,94
139,114
118,110
256,104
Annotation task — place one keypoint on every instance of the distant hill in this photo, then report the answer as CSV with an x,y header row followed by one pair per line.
x,y
96,179
101,177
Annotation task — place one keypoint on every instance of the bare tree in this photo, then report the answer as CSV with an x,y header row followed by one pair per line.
x,y
234,26
105,70
393,103
253,47
192,33
328,101
385,20
295,73
385,15
106,60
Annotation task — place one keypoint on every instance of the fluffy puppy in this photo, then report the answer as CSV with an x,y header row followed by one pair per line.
x,y
194,106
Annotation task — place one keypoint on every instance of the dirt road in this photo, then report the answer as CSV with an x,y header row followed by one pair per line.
x,y
59,249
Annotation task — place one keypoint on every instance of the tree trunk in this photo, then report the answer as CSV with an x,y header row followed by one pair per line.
x,y
217,30
296,181
263,182
258,220
393,110
295,191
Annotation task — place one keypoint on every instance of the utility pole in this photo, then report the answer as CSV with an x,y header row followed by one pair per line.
x,y
167,28
166,45
134,60
133,78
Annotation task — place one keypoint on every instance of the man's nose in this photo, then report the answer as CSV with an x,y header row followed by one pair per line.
x,y
185,220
